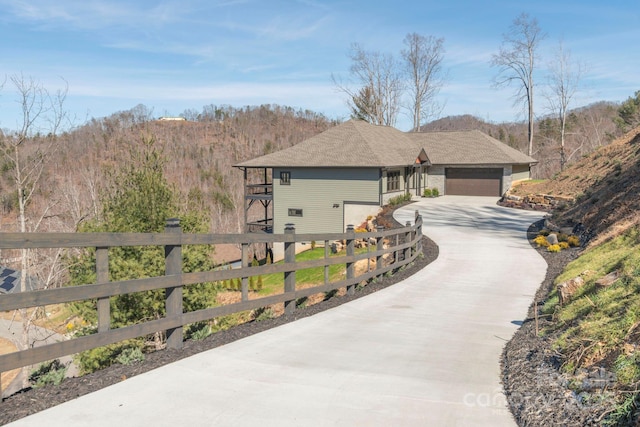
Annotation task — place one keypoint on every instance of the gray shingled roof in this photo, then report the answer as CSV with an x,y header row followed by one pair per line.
x,y
467,148
356,143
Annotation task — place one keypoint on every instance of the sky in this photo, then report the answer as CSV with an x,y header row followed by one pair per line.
x,y
173,55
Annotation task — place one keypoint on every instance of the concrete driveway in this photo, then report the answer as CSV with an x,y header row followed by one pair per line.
x,y
424,352
11,330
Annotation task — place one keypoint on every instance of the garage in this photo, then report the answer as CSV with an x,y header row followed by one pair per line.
x,y
473,181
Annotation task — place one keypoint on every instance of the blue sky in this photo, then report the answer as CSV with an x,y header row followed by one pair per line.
x,y
176,55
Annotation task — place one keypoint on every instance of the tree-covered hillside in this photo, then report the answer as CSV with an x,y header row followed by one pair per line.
x,y
200,153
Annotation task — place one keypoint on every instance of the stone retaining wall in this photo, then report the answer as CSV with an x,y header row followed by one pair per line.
x,y
540,202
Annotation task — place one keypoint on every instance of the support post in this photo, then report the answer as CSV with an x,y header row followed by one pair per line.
x,y
244,266
326,267
351,235
407,239
266,202
396,253
379,247
173,267
102,276
419,232
290,259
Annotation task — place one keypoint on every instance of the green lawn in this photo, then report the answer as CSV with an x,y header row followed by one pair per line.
x,y
274,283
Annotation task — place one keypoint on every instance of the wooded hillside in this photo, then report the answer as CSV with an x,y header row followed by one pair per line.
x,y
200,153
588,128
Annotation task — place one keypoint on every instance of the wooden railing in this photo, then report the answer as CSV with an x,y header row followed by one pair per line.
x,y
403,245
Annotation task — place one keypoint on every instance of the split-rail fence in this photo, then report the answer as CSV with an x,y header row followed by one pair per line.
x,y
401,246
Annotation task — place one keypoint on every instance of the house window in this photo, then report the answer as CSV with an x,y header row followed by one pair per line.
x,y
295,212
393,181
285,178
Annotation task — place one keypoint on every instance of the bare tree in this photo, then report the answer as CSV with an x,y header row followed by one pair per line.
x,y
27,149
564,80
516,61
377,76
423,67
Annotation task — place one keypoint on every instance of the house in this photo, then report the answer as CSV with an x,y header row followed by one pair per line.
x,y
348,172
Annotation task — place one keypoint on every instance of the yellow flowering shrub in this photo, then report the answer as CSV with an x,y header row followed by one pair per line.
x,y
541,241
554,248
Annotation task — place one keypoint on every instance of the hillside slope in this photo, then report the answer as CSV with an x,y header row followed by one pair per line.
x,y
606,187
199,157
578,361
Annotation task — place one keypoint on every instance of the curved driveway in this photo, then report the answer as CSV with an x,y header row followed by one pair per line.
x,y
424,352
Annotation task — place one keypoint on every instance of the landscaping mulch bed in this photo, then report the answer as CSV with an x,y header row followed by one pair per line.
x,y
537,392
30,401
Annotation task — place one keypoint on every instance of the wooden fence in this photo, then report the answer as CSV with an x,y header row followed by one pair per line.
x,y
403,245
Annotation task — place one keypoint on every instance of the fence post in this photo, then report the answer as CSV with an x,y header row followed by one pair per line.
x,y
419,232
290,258
243,267
351,235
396,252
379,247
407,239
102,276
326,267
173,298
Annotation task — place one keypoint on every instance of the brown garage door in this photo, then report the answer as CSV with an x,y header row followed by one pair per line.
x,y
474,182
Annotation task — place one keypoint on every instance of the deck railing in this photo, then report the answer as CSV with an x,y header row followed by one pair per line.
x,y
400,246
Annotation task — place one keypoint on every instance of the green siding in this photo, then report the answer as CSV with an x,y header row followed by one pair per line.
x,y
316,191
520,172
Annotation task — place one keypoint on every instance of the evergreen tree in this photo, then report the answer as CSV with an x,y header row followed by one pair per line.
x,y
629,113
138,199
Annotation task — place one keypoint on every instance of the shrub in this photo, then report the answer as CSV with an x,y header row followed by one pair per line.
x,y
435,192
398,200
361,230
541,241
553,248
48,373
103,357
563,245
330,294
562,237
263,313
130,355
197,331
427,193
573,241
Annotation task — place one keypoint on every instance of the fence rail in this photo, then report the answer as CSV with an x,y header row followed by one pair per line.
x,y
402,245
